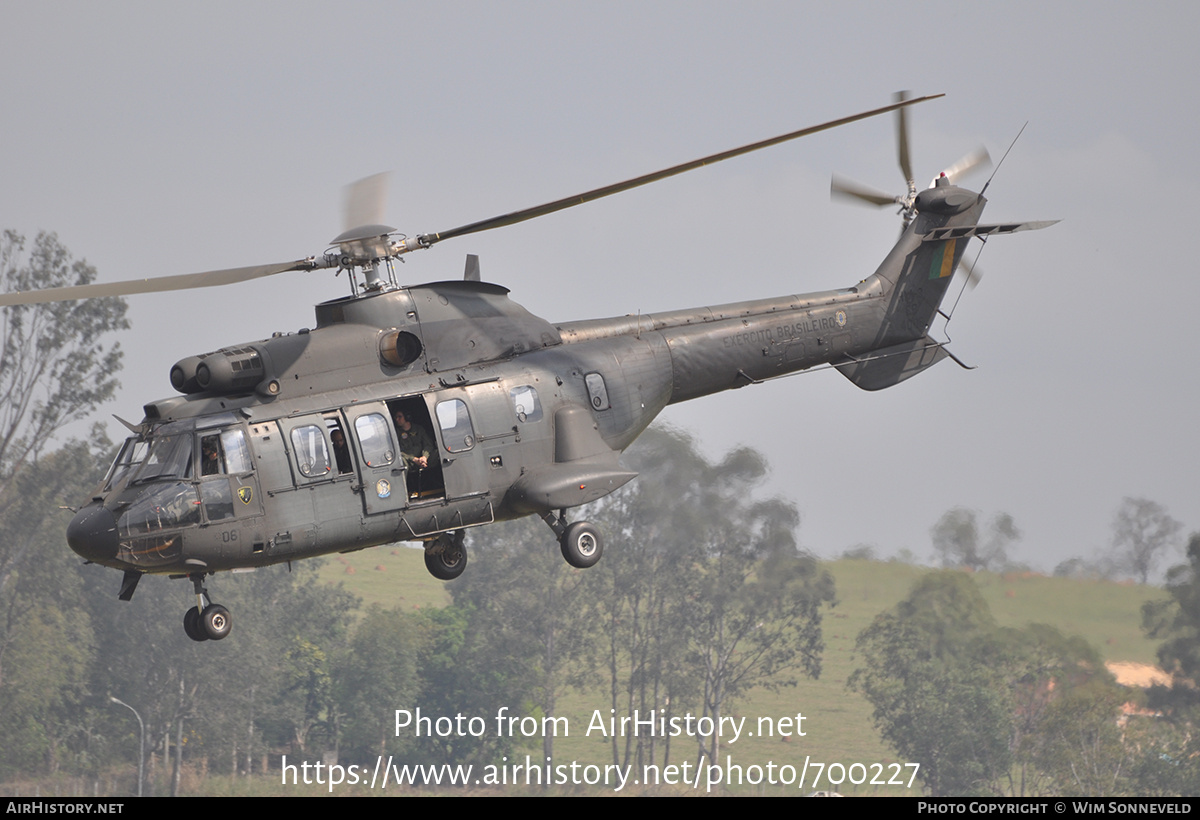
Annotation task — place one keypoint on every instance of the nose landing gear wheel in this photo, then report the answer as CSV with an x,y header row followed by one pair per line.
x,y
581,545
446,557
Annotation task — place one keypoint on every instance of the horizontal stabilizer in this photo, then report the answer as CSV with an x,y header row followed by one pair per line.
x,y
891,365
967,231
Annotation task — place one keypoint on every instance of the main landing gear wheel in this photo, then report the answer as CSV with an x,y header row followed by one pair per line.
x,y
581,545
216,621
192,626
446,556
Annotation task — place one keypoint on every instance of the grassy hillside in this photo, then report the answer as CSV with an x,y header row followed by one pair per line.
x,y
837,722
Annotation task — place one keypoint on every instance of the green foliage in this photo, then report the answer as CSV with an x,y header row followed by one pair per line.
x,y
1176,621
1174,757
936,697
378,674
461,672
987,710
526,602
55,366
706,593
43,695
1081,746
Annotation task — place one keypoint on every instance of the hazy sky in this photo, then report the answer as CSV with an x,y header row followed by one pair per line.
x,y
158,139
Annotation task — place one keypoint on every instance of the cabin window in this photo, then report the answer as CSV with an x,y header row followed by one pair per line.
x,y
526,403
597,392
375,439
455,421
312,453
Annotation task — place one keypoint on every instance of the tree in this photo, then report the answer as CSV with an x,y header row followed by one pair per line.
x,y
708,593
1081,746
42,694
526,607
56,365
1053,679
986,710
1142,534
655,531
959,543
938,697
1176,621
758,614
378,675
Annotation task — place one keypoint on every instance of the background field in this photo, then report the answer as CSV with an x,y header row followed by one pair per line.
x,y
838,722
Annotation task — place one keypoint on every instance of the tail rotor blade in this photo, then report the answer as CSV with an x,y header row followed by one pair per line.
x,y
977,159
973,272
849,189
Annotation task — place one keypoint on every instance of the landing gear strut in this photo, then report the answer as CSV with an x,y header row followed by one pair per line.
x,y
580,542
446,556
205,621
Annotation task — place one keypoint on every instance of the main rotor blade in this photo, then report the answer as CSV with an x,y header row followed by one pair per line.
x,y
598,193
365,201
206,279
841,186
902,138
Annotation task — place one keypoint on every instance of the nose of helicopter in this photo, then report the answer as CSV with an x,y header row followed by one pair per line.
x,y
93,533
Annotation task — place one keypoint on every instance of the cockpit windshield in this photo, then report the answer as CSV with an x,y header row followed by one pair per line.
x,y
169,456
130,457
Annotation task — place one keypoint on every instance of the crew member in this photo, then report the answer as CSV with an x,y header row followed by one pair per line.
x,y
419,451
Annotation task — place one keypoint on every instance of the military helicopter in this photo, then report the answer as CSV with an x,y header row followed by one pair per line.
x,y
413,413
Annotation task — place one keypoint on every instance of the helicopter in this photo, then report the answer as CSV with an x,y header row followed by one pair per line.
x,y
416,412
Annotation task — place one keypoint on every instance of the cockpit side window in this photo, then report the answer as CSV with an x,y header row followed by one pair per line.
x,y
224,453
237,453
211,462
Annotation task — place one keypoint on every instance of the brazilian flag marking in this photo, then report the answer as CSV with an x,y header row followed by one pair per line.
x,y
943,260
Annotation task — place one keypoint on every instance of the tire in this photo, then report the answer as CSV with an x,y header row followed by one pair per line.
x,y
192,626
448,562
216,621
581,545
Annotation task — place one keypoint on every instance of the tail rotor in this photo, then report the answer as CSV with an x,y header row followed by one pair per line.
x,y
849,189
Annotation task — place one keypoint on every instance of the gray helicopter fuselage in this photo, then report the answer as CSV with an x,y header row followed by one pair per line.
x,y
528,417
